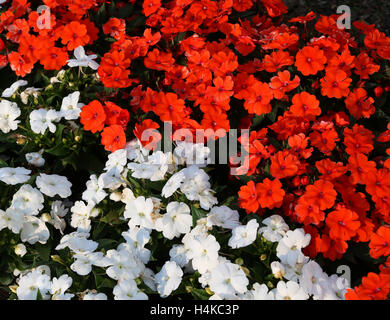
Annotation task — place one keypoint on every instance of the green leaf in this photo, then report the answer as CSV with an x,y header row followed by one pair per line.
x,y
197,213
199,294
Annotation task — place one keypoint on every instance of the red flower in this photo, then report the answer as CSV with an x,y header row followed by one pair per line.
x,y
343,224
147,134
92,116
321,193
310,60
113,138
270,193
380,242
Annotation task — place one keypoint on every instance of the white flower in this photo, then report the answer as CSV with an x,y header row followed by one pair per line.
x,y
177,220
191,153
139,211
116,160
34,230
58,211
82,60
59,286
169,278
29,200
178,253
70,107
77,242
123,264
81,214
278,269
94,193
128,290
204,252
20,249
223,217
9,92
311,278
84,261
26,93
289,247
227,279
94,296
333,288
9,112
35,158
261,292
14,175
289,291
173,184
12,219
275,228
30,283
51,185
42,119
243,236
137,238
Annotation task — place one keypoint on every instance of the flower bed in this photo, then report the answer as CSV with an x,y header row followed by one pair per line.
x,y
111,184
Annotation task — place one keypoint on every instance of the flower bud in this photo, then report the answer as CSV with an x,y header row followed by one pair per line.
x,y
20,249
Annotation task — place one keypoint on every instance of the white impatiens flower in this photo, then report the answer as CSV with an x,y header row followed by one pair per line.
x,y
139,211
204,252
58,211
30,283
34,230
82,60
59,286
137,238
70,107
94,193
35,92
9,92
289,247
81,214
223,217
123,264
54,184
12,219
42,119
168,279
178,253
227,279
176,221
14,175
311,278
91,295
117,161
275,228
128,290
84,261
35,158
29,200
243,236
289,291
261,292
278,270
191,153
173,184
9,112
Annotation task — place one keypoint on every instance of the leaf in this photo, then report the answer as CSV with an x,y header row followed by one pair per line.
x,y
199,294
197,214
59,150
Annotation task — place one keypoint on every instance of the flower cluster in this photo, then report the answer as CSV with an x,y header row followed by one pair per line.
x,y
91,208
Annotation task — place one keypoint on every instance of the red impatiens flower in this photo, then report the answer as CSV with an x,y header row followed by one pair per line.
x,y
343,224
359,105
270,193
321,193
115,27
380,242
248,197
305,105
93,116
113,138
310,60
74,34
147,134
335,84
116,115
284,164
